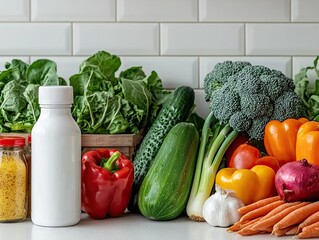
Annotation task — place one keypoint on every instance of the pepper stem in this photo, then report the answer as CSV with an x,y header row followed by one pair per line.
x,y
110,164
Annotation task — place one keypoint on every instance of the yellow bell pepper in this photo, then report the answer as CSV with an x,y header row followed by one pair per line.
x,y
307,144
250,185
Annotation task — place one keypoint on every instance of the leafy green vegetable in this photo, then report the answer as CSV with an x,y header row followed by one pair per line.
x,y
105,103
309,93
43,72
19,84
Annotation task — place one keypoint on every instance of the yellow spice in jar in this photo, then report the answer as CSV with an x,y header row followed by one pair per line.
x,y
13,185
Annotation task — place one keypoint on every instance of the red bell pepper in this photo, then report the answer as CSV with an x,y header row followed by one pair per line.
x,y
107,179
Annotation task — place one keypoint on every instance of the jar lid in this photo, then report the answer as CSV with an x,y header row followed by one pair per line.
x,y
55,95
12,141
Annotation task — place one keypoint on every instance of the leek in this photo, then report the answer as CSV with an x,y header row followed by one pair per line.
x,y
215,139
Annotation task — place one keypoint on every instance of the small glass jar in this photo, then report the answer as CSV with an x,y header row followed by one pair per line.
x,y
28,159
13,179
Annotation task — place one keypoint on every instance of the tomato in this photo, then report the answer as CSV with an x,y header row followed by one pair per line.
x,y
245,156
240,139
270,161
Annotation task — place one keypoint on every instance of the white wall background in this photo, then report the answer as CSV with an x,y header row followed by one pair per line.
x,y
180,39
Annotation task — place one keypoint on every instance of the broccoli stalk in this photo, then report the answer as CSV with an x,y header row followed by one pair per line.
x,y
216,138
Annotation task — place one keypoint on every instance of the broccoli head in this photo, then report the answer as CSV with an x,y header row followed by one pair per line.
x,y
247,96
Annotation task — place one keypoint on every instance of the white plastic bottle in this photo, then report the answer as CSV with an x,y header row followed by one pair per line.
x,y
56,160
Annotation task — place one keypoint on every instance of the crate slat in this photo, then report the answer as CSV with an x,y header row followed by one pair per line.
x,y
126,143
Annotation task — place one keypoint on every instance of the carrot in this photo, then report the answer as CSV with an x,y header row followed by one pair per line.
x,y
235,227
314,225
291,230
280,208
310,220
297,216
239,225
247,231
271,220
258,204
258,212
310,233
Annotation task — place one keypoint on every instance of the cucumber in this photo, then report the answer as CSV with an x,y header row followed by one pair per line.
x,y
166,187
176,109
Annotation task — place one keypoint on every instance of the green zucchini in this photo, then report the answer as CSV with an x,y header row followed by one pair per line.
x,y
165,189
176,109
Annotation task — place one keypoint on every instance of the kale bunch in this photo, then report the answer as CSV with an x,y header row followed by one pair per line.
x,y
110,104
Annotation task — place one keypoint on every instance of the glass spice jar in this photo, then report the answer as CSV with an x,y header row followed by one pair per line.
x,y
13,179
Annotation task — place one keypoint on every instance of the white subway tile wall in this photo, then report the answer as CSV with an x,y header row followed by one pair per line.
x,y
14,10
181,40
245,10
117,38
73,10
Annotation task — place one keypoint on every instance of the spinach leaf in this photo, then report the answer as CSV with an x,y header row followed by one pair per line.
x,y
13,71
19,83
13,99
31,95
44,73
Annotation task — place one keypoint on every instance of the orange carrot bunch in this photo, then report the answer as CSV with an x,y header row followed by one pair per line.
x,y
275,216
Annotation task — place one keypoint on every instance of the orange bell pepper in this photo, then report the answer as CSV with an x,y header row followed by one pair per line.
x,y
249,185
280,138
307,145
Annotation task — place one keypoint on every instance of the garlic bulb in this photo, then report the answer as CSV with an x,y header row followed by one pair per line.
x,y
220,209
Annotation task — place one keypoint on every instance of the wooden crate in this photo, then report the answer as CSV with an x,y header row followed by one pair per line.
x,y
126,143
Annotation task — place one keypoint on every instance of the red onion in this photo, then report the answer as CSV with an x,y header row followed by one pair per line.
x,y
298,181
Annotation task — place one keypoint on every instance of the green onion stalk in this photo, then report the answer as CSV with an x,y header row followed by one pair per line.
x,y
215,139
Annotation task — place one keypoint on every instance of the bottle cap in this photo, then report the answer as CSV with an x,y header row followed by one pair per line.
x,y
12,141
55,95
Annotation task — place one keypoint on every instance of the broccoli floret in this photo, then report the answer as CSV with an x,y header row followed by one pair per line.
x,y
226,69
256,71
256,130
247,96
249,80
288,105
210,86
248,83
219,75
256,105
276,85
225,103
239,122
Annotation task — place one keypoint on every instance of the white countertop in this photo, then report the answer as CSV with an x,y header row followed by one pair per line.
x,y
127,227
